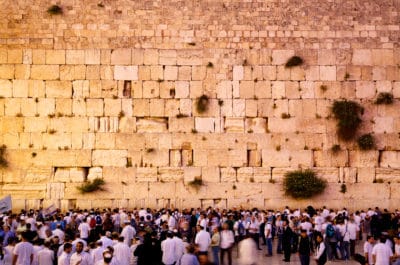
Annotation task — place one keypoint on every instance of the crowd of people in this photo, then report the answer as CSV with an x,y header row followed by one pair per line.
x,y
197,236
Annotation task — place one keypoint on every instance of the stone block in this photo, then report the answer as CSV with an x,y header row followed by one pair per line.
x,y
254,158
46,106
169,174
6,90
390,159
347,175
105,141
365,89
256,125
383,125
123,72
245,174
151,57
151,89
156,157
327,73
109,158
279,125
36,124
190,57
185,73
167,57
365,174
112,107
45,72
204,124
326,57
93,72
280,57
58,89
92,56
382,57
274,158
55,191
238,72
234,125
146,174
330,174
55,56
190,173
362,57
181,89
14,56
237,158
22,71
121,57
75,57
261,174
180,124
151,125
94,107
170,73
238,107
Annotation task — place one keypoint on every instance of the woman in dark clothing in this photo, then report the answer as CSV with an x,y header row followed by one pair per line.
x,y
304,248
148,252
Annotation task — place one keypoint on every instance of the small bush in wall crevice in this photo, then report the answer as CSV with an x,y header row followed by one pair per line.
x,y
55,10
3,160
92,186
302,184
294,61
366,142
347,114
202,104
384,98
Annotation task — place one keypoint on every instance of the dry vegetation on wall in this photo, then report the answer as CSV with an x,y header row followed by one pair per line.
x,y
210,103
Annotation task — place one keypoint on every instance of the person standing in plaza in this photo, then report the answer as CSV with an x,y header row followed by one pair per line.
x,y
215,242
381,253
202,239
287,241
320,253
23,251
304,248
368,246
227,241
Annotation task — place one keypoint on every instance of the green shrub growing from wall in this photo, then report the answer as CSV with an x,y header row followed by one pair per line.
x,y
302,184
347,114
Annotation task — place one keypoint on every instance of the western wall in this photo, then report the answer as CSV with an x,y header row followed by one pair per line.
x,y
110,89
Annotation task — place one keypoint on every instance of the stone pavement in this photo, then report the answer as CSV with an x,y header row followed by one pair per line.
x,y
276,259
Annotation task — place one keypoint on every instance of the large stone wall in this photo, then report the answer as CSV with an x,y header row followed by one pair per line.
x,y
109,89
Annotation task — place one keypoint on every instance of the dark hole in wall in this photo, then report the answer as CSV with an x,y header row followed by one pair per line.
x,y
127,89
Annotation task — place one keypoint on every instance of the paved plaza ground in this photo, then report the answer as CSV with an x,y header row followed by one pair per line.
x,y
276,259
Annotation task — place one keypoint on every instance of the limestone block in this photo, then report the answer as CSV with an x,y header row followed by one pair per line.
x,y
245,174
238,107
263,89
365,89
254,158
92,56
327,73
75,57
282,73
112,107
185,73
151,89
237,158
37,124
146,174
79,107
106,72
273,158
38,175
24,191
108,124
157,107
109,158
279,125
6,88
151,57
383,125
63,106
94,107
46,106
105,141
123,72
382,57
168,174
130,141
348,175
190,57
204,124
278,174
175,158
326,57
57,140
22,71
55,56
127,125
390,159
119,175
238,72
167,57
210,174
58,89
234,124
93,72
256,125
7,72
224,89
365,174
378,73
311,125
121,57
55,191
181,89
141,107
280,57
178,124
246,89
198,73
329,159
156,158
14,56
12,106
151,125
171,73
261,174
190,173
95,172
45,72
362,57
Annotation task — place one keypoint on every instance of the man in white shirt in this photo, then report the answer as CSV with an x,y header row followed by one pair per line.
x,y
122,252
128,232
106,239
23,251
46,255
381,253
168,249
202,239
65,257
80,257
60,233
84,230
179,246
97,253
353,229
268,235
227,241
368,245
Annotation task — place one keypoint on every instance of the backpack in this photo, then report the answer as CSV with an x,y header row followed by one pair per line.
x,y
92,223
98,220
241,228
330,231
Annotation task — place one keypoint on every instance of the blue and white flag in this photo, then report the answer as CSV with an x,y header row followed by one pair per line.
x,y
5,204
